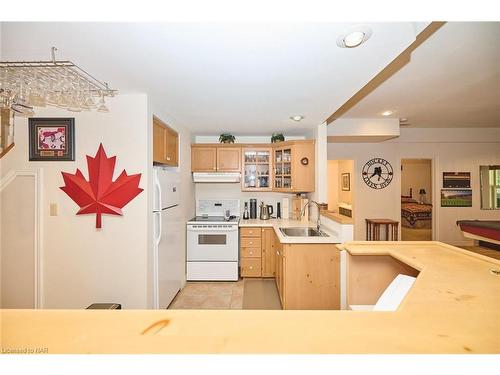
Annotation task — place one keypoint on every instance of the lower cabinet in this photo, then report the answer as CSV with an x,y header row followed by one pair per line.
x,y
257,252
308,276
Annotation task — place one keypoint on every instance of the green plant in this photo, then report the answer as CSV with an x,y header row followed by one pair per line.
x,y
277,137
226,138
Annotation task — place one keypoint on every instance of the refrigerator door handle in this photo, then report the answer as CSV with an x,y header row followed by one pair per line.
x,y
158,233
158,188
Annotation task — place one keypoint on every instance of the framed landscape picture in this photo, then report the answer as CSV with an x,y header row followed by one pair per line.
x,y
456,198
51,139
456,180
346,181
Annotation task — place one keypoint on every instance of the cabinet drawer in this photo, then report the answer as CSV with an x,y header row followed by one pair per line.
x,y
250,267
250,242
250,232
250,252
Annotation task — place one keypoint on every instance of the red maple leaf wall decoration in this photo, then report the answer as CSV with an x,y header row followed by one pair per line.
x,y
100,194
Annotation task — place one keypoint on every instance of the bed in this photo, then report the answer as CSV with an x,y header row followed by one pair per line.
x,y
482,230
414,214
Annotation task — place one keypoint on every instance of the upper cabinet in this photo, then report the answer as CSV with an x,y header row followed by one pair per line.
x,y
287,167
203,159
165,144
207,158
257,167
229,159
294,167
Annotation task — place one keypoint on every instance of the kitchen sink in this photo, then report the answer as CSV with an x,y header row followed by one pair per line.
x,y
303,232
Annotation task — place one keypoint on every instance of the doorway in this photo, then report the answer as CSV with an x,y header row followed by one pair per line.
x,y
341,187
416,199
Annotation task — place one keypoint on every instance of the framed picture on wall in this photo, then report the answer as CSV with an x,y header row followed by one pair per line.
x,y
456,180
345,181
456,198
51,139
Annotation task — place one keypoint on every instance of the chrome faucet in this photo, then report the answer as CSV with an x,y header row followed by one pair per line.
x,y
318,220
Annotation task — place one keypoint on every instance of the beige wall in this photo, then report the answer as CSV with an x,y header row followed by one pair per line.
x,y
417,174
346,196
335,193
80,264
17,236
451,150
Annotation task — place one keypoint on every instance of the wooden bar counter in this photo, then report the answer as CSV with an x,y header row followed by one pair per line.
x,y
453,307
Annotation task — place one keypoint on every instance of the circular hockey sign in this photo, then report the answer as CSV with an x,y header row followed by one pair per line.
x,y
377,173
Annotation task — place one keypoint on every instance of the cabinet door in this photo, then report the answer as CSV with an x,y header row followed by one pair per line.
x,y
228,159
159,142
203,159
268,253
172,148
303,168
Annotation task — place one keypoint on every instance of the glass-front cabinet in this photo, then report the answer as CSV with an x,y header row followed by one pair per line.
x,y
283,168
294,167
257,167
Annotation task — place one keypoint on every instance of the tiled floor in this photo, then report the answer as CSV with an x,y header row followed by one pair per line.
x,y
210,295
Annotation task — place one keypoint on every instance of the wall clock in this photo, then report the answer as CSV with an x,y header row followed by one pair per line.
x,y
377,173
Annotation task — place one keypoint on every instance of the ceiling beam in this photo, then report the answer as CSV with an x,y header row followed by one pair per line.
x,y
401,60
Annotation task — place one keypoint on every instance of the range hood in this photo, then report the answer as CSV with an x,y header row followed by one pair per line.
x,y
216,177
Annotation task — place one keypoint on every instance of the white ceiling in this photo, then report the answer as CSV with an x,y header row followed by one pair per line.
x,y
243,78
452,80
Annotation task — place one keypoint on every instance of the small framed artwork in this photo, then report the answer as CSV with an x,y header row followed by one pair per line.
x,y
51,139
456,180
346,181
456,198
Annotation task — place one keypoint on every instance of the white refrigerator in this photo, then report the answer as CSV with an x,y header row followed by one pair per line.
x,y
169,255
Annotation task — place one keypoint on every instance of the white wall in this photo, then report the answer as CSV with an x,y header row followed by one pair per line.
x,y
243,139
451,150
80,264
233,191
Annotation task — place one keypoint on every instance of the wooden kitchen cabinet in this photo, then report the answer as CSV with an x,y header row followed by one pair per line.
x,y
308,276
294,166
228,159
210,158
165,144
251,252
204,159
268,252
257,252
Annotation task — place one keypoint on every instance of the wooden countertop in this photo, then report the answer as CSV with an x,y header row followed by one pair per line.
x,y
453,307
335,216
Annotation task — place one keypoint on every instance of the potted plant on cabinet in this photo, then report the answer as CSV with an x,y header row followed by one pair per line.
x,y
277,137
226,138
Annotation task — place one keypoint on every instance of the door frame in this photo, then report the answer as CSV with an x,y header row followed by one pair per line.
x,y
38,226
435,191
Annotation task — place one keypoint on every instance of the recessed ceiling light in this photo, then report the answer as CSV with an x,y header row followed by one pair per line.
x,y
387,113
354,37
296,118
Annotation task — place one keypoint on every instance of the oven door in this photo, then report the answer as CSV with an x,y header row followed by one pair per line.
x,y
210,243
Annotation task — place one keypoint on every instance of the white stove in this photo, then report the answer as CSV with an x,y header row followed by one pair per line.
x,y
212,241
